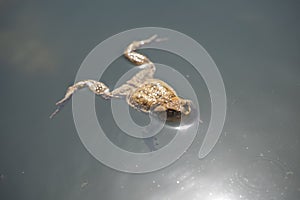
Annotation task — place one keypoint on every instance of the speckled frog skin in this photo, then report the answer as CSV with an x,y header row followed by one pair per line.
x,y
142,92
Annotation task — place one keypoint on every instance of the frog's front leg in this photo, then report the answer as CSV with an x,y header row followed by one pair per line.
x,y
96,87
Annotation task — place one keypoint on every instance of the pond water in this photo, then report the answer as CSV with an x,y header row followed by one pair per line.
x,y
256,48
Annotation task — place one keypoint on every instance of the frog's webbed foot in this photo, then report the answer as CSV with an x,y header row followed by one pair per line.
x,y
96,87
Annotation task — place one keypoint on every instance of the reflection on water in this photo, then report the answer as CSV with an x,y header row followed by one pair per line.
x,y
262,178
171,128
149,143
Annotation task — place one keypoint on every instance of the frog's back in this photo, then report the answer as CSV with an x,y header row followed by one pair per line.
x,y
152,92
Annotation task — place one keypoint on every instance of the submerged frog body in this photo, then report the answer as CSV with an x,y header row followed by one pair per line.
x,y
142,92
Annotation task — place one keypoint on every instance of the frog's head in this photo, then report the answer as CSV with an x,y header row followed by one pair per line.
x,y
174,108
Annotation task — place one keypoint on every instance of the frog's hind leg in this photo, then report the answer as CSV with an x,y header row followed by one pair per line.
x,y
144,63
96,87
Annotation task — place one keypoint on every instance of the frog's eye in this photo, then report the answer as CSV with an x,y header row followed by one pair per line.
x,y
186,108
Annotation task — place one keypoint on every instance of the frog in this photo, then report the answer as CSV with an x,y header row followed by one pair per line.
x,y
142,92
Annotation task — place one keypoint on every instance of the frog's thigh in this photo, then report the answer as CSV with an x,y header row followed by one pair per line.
x,y
146,73
123,90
